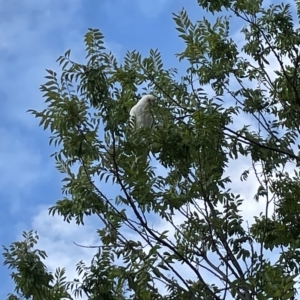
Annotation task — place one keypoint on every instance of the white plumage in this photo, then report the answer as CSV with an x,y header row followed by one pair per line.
x,y
140,114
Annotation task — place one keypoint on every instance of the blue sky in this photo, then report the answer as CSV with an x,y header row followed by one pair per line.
x,y
33,33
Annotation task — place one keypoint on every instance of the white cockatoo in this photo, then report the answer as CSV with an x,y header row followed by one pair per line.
x,y
140,114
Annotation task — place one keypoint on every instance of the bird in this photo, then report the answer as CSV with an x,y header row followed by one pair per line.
x,y
140,114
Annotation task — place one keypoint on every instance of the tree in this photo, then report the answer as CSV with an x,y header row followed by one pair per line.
x,y
32,278
196,137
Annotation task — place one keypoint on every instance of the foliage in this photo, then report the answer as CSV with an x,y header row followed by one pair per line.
x,y
234,102
32,279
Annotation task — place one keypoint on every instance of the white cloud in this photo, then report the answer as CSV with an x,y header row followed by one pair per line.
x,y
20,166
151,9
32,37
28,45
28,23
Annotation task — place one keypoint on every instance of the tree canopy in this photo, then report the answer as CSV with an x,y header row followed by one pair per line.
x,y
175,191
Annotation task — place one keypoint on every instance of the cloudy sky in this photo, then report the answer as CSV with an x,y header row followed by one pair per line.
x,y
33,33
